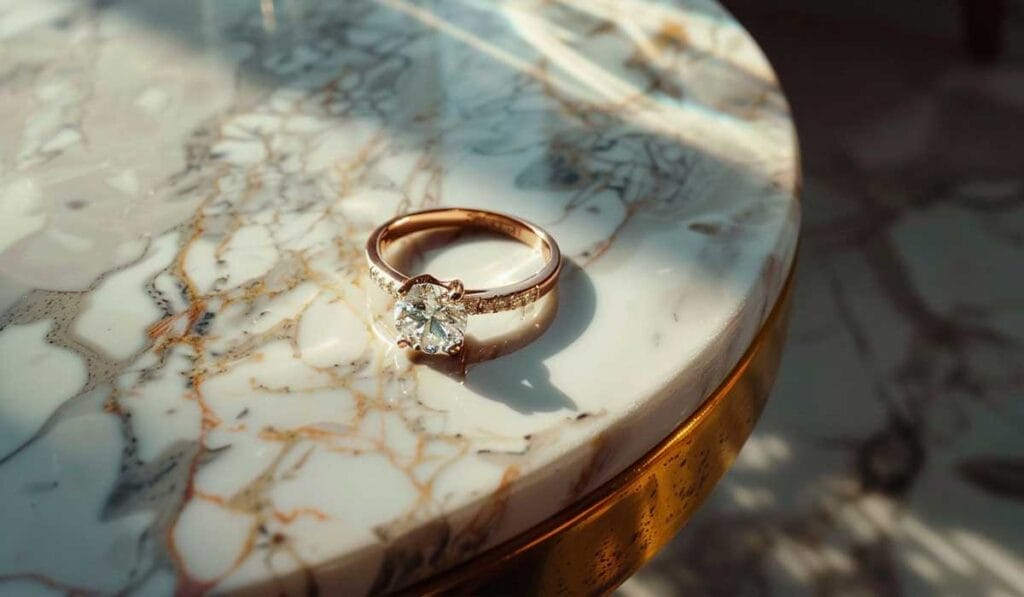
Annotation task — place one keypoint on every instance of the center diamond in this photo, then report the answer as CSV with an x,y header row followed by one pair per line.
x,y
429,320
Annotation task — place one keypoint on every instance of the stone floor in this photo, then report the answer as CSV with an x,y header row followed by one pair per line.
x,y
890,460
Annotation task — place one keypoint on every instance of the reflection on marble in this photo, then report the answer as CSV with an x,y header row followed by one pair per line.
x,y
193,396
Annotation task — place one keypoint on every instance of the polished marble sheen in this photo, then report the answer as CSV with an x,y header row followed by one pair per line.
x,y
193,391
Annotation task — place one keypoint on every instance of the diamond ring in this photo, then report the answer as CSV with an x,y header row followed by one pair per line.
x,y
431,314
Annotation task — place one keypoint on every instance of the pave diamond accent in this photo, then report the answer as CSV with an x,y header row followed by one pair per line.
x,y
429,320
387,285
474,305
477,306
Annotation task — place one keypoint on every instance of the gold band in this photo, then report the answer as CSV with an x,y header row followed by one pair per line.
x,y
593,546
488,300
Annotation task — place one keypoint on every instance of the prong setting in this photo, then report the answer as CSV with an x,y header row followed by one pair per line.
x,y
420,279
456,290
430,316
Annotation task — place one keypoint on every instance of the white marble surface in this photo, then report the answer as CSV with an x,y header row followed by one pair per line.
x,y
194,392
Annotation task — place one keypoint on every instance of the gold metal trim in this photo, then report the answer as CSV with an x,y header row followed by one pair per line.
x,y
595,545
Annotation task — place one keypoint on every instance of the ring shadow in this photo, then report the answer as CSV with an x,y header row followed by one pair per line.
x,y
510,368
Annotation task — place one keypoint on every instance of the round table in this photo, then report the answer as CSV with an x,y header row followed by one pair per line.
x,y
199,391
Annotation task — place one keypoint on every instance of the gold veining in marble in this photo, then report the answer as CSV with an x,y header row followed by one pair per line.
x,y
185,197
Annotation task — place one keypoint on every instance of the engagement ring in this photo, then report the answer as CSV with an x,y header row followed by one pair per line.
x,y
431,314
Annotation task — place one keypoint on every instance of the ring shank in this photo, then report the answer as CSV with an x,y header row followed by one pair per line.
x,y
477,300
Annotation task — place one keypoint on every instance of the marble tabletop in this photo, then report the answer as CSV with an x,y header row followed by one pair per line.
x,y
197,392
